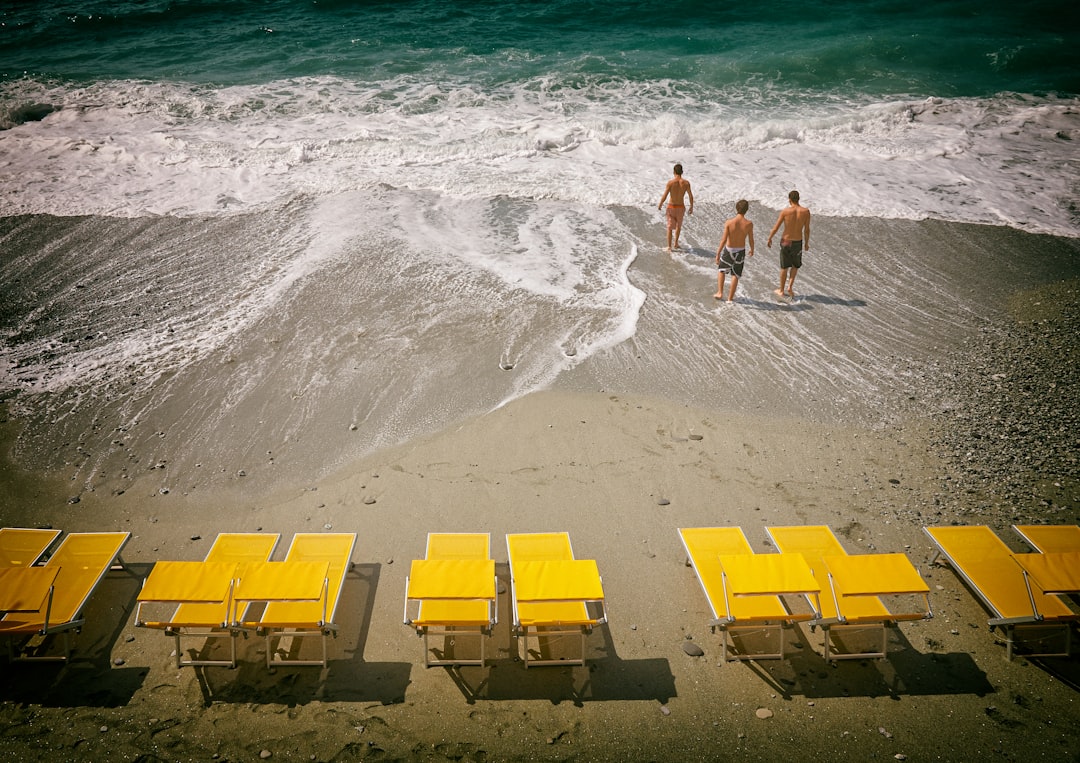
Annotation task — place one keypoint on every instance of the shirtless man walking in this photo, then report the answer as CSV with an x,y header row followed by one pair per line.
x,y
794,240
731,254
676,188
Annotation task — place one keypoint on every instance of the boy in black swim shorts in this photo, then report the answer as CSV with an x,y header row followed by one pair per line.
x,y
731,254
795,238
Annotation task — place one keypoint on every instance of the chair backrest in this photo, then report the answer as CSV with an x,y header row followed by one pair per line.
x,y
22,547
82,560
538,547
227,548
704,547
815,542
334,548
985,562
1051,539
458,546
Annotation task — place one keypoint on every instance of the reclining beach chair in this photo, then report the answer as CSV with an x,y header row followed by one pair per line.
x,y
852,586
1051,539
745,590
203,593
452,592
1019,590
553,594
291,609
21,547
54,602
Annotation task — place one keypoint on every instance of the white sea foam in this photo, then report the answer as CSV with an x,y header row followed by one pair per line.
x,y
134,149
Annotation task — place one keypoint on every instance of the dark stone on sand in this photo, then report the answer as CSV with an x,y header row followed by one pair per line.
x,y
663,502
196,537
696,437
74,499
693,649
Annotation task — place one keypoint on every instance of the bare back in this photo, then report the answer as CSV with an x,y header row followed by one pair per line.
x,y
796,221
677,188
736,231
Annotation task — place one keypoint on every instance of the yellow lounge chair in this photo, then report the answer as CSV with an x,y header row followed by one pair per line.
x,y
744,592
77,568
21,547
203,592
452,591
291,611
553,594
852,586
999,580
1051,539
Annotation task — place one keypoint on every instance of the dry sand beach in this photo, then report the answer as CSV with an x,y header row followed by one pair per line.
x,y
620,473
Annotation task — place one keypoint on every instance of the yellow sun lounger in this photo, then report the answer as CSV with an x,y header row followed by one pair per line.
x,y
553,594
853,586
1051,539
452,591
1003,582
744,590
203,593
291,610
73,573
21,547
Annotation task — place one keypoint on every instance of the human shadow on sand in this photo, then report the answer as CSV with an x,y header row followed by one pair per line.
x,y
96,675
347,677
906,671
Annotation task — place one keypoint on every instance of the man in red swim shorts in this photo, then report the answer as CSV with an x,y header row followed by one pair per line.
x,y
678,189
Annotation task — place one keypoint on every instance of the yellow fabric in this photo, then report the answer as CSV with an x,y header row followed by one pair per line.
x,y
458,546
1051,539
228,547
20,547
188,581
441,612
538,615
557,581
82,560
875,575
452,579
980,556
1053,573
23,589
705,546
764,574
335,549
281,581
815,542
526,547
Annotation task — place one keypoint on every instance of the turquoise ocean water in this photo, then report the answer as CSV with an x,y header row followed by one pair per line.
x,y
282,218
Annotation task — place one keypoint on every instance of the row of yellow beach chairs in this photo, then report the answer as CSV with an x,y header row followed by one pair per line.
x,y
453,592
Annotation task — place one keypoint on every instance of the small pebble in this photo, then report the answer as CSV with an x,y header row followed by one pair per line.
x,y
763,713
665,710
695,437
663,502
266,754
118,661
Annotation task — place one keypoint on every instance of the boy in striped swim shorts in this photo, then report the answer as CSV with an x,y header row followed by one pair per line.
x,y
731,254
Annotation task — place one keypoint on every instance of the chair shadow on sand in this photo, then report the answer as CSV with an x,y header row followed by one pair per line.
x,y
90,678
604,677
347,677
906,671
